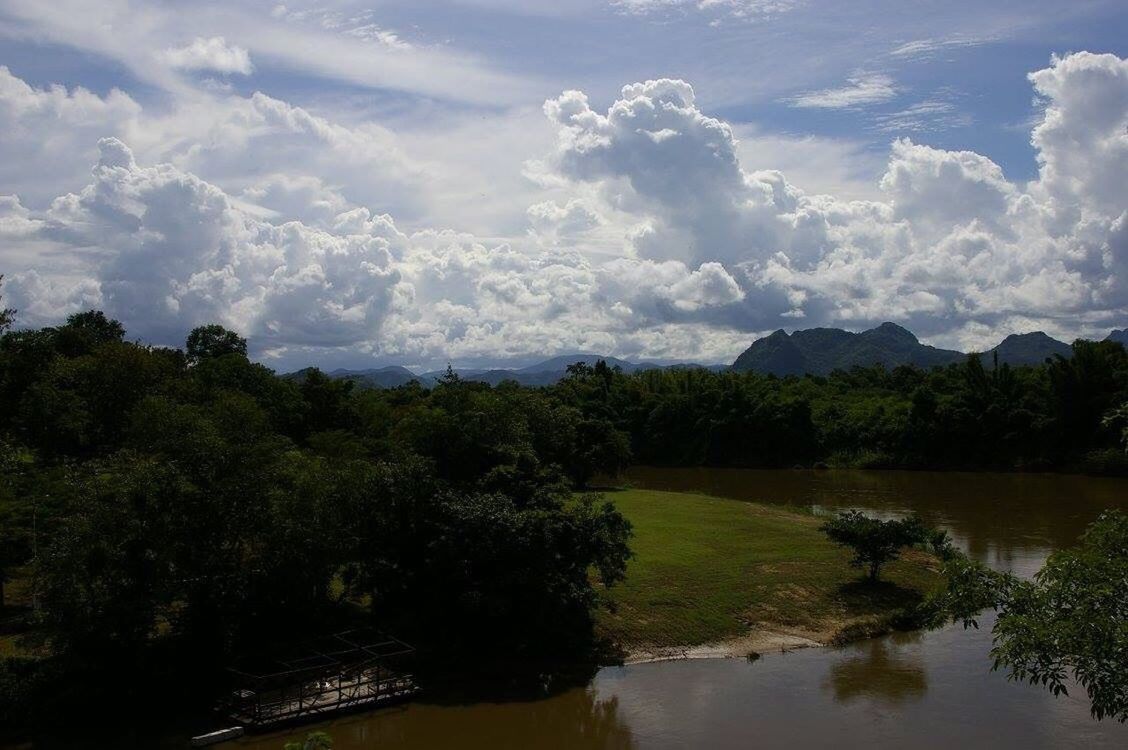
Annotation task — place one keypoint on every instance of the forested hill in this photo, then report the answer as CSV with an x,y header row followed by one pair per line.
x,y
820,351
1029,349
381,377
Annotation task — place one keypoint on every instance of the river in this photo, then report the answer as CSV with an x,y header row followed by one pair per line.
x,y
923,690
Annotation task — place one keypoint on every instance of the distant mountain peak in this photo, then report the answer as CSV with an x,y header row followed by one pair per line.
x,y
776,353
388,369
1031,336
892,330
389,376
820,351
562,361
1032,348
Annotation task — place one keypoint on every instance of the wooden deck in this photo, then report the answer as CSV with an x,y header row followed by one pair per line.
x,y
324,698
341,673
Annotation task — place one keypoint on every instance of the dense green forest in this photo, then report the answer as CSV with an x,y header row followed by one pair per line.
x,y
165,509
1061,415
162,509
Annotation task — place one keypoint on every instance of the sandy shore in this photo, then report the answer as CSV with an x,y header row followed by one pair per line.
x,y
756,641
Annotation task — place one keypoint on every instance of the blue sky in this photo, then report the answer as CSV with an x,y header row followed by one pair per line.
x,y
433,113
972,55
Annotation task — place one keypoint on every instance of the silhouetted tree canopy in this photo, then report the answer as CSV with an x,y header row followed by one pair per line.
x,y
191,505
212,341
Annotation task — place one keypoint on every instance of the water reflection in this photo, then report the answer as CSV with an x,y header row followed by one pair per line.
x,y
576,718
930,690
883,670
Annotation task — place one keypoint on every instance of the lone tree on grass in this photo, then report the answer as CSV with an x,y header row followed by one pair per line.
x,y
874,542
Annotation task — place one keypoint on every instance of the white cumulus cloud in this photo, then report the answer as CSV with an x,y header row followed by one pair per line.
x,y
952,243
649,231
213,54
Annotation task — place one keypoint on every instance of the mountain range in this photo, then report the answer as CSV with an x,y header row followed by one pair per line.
x,y
819,351
815,351
542,373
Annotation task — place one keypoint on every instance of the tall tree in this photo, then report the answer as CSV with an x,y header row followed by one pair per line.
x,y
7,314
211,341
85,331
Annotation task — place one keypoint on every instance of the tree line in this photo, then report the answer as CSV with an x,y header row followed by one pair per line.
x,y
1066,414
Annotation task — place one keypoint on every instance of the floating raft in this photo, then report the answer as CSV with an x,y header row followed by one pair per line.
x,y
346,671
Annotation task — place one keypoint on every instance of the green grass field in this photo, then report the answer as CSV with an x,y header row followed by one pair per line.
x,y
707,569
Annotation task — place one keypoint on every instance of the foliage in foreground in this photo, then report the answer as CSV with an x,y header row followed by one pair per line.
x,y
312,741
1118,419
1070,621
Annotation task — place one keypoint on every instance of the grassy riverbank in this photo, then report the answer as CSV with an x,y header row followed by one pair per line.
x,y
745,577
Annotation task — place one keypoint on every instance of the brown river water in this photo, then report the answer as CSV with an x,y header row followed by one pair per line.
x,y
924,690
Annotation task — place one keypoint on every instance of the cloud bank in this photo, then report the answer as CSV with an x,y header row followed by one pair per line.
x,y
697,251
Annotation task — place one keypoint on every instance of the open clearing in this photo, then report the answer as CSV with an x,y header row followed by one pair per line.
x,y
717,577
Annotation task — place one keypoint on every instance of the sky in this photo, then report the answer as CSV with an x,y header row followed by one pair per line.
x,y
494,182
